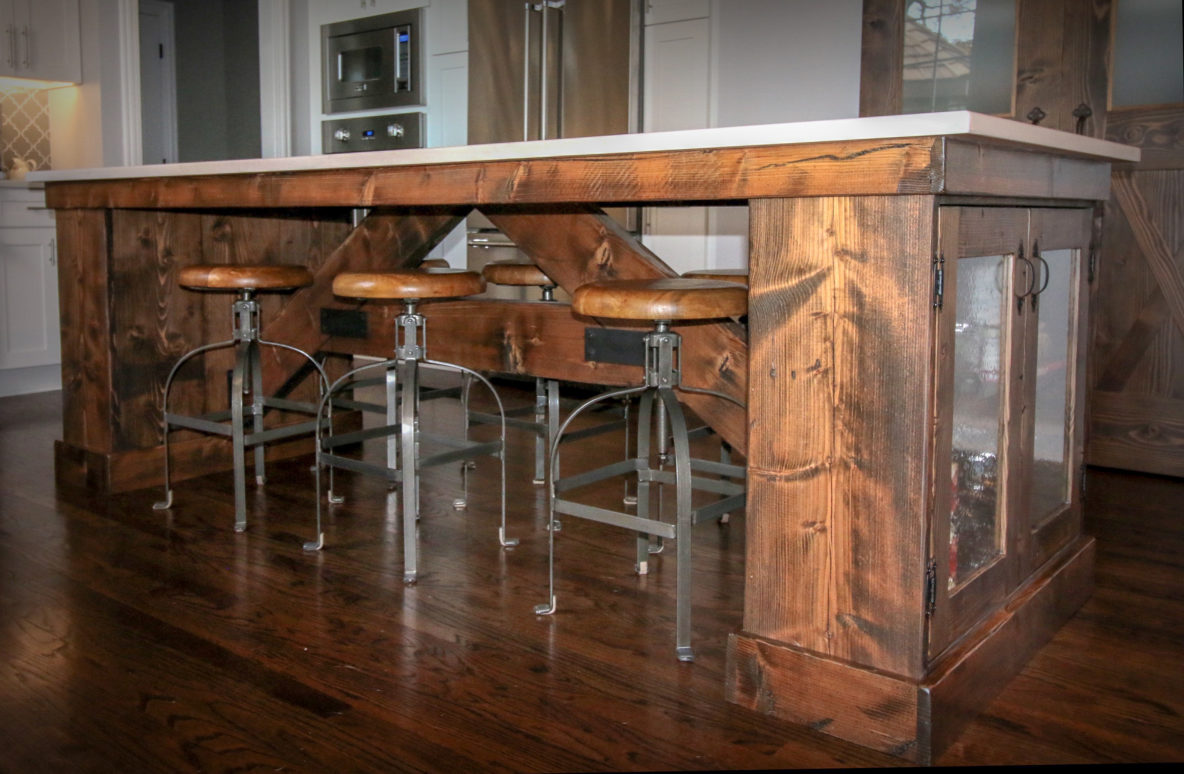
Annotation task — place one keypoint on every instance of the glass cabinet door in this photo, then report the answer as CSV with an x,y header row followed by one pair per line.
x,y
978,360
980,341
1009,373
1055,405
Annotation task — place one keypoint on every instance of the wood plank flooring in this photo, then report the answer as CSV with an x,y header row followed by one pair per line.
x,y
132,640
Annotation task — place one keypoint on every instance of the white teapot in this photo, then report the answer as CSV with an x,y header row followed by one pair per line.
x,y
21,167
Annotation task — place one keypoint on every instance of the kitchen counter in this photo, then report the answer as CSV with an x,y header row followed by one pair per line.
x,y
857,228
949,124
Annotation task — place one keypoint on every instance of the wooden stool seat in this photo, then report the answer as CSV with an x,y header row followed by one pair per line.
x,y
667,298
409,283
516,273
243,277
723,275
434,263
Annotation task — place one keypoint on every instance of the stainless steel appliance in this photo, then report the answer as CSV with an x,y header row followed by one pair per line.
x,y
541,70
373,62
390,131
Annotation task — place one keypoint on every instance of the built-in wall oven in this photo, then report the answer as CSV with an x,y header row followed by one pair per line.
x,y
373,62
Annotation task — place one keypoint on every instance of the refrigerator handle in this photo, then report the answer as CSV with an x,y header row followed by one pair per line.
x,y
526,72
543,75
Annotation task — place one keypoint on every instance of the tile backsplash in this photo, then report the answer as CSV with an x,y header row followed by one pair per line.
x,y
24,126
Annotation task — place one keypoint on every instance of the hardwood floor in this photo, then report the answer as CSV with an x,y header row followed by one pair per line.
x,y
132,640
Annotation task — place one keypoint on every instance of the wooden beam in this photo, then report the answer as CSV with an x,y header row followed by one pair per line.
x,y
384,240
1152,243
520,338
720,174
584,245
881,73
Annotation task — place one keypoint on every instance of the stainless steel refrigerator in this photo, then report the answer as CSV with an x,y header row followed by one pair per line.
x,y
542,70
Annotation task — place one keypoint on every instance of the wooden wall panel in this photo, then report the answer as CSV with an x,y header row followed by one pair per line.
x,y
1062,56
86,357
882,58
153,322
838,444
1136,409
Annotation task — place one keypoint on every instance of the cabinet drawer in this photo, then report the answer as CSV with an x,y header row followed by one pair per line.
x,y
24,208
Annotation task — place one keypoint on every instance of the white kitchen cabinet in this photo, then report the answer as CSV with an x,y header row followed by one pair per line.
x,y
39,39
30,342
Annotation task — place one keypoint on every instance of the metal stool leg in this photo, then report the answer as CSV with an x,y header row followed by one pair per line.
x,y
644,429
166,426
242,364
550,606
682,477
257,410
408,465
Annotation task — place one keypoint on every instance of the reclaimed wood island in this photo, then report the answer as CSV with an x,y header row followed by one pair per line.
x,y
913,365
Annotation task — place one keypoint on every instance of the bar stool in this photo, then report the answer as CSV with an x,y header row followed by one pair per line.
x,y
661,301
246,377
408,287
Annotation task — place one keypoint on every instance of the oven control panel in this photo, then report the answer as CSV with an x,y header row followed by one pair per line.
x,y
392,131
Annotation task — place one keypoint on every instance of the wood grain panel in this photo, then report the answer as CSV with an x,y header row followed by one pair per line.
x,y
840,320
1153,244
1158,131
721,174
881,71
972,168
581,245
84,267
154,322
863,706
1086,65
1137,432
1040,78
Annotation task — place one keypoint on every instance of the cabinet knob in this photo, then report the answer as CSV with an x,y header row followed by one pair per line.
x,y
1036,115
341,135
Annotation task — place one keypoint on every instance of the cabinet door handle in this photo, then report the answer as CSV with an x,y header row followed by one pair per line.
x,y
25,36
1047,274
1047,271
10,31
1031,272
53,252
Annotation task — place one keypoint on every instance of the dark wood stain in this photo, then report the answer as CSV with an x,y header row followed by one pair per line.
x,y
136,641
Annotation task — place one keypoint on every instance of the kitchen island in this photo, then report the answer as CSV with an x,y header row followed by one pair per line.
x,y
918,289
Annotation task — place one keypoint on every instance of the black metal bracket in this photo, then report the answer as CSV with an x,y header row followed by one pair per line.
x,y
614,345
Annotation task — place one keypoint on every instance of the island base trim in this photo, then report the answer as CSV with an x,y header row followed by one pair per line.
x,y
913,719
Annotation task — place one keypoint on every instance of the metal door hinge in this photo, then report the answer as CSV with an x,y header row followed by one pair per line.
x,y
930,588
939,280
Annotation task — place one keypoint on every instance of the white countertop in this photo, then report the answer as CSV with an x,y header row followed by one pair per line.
x,y
956,123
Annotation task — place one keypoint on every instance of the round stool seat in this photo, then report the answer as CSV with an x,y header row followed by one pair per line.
x,y
243,277
433,263
409,283
723,275
668,298
515,273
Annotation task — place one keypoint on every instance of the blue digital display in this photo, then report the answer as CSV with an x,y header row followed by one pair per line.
x,y
368,134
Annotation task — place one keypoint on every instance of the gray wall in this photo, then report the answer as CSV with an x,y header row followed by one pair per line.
x,y
217,79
